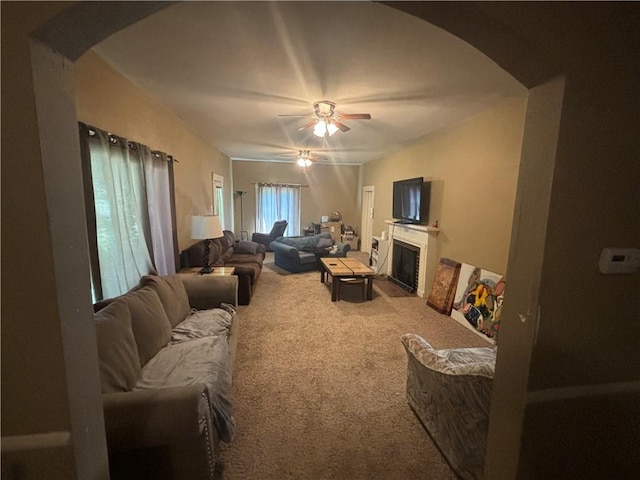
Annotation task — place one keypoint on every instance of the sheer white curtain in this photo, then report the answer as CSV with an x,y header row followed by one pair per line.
x,y
120,202
156,171
278,202
128,187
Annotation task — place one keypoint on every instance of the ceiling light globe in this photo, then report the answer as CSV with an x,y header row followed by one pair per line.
x,y
320,129
331,128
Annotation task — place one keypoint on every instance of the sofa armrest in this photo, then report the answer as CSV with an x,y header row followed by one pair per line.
x,y
209,291
147,418
415,344
343,247
284,249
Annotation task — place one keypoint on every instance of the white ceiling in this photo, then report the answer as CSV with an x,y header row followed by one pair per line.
x,y
228,69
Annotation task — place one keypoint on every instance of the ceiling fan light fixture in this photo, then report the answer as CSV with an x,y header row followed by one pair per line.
x,y
323,127
304,162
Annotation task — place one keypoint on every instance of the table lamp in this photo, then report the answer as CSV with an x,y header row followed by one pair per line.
x,y
206,227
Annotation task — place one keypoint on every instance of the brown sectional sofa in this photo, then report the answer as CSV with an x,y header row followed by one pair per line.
x,y
247,258
166,354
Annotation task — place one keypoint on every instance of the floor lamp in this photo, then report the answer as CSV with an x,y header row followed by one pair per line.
x,y
244,235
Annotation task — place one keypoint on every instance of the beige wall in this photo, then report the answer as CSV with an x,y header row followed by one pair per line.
x,y
331,188
107,100
473,168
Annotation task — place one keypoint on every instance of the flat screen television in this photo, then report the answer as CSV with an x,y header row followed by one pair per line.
x,y
411,198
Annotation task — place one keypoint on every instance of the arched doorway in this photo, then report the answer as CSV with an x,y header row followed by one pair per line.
x,y
52,56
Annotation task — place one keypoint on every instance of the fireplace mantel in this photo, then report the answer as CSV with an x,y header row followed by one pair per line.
x,y
423,237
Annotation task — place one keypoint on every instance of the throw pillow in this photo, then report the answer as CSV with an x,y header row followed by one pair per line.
x,y
245,246
117,350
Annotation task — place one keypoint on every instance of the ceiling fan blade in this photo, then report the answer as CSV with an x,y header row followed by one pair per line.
x,y
299,116
307,125
356,116
341,126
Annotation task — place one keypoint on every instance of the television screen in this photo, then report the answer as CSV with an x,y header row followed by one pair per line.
x,y
411,200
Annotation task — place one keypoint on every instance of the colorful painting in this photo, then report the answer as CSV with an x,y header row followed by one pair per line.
x,y
478,299
444,286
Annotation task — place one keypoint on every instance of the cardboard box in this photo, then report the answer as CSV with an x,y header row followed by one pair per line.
x,y
351,240
334,228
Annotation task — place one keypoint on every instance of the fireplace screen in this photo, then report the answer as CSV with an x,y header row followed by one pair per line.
x,y
404,265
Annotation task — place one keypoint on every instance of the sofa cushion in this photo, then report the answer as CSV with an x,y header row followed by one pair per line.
x,y
228,238
205,323
201,360
225,257
245,246
307,257
192,256
149,322
172,294
456,361
117,349
216,250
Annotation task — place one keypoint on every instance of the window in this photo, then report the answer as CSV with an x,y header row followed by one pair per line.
x,y
130,215
218,198
278,202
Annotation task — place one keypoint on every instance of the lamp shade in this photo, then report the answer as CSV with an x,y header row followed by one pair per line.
x,y
205,226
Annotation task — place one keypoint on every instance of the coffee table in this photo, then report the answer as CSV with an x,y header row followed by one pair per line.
x,y
345,268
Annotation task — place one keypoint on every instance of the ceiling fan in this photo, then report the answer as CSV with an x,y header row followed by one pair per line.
x,y
325,121
304,158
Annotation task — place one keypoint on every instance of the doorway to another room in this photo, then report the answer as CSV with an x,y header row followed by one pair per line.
x,y
367,218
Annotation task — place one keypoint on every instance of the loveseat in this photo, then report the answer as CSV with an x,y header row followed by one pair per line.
x,y
166,354
301,254
450,391
247,258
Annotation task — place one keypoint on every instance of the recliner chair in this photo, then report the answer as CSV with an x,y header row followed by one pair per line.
x,y
266,238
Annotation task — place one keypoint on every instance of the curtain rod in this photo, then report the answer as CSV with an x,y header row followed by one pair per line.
x,y
267,184
115,139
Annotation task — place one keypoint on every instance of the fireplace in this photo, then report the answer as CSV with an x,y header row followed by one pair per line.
x,y
405,265
420,240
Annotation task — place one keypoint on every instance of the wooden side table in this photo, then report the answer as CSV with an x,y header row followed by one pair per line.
x,y
216,271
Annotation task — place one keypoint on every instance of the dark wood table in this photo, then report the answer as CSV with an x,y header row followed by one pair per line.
x,y
345,268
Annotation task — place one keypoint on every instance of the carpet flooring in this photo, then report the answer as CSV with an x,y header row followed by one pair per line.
x,y
319,386
390,289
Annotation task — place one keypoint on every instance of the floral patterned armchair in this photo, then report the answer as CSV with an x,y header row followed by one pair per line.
x,y
450,392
